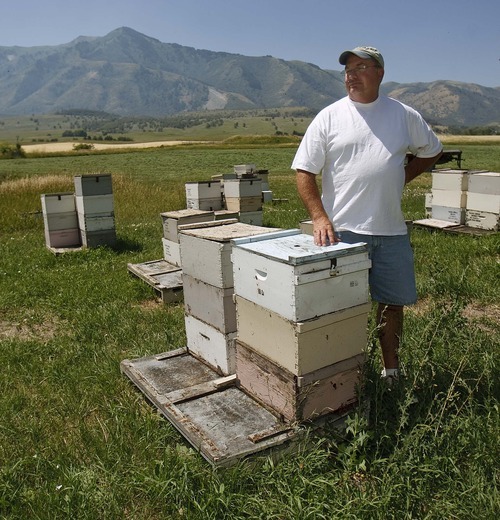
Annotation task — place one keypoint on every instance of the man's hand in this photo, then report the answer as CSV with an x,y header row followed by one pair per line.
x,y
309,193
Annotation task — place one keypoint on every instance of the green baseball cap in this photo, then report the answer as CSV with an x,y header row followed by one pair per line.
x,y
364,52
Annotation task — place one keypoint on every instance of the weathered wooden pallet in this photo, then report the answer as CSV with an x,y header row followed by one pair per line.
x,y
163,277
219,419
450,227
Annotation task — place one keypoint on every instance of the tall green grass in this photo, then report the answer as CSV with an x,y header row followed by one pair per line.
x,y
78,441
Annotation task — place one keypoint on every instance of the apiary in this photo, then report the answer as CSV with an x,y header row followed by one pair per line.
x,y
287,273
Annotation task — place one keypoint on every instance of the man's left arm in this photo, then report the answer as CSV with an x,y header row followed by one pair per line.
x,y
419,165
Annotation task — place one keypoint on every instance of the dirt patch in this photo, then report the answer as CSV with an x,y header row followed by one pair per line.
x,y
26,331
68,147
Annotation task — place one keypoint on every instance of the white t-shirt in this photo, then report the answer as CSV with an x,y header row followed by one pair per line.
x,y
360,148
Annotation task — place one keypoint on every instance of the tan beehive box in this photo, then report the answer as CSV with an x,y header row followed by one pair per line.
x,y
244,204
287,273
302,347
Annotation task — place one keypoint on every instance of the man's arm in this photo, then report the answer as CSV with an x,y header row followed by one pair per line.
x,y
309,193
419,165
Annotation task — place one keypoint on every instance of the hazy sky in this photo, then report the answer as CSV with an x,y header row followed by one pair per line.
x,y
421,40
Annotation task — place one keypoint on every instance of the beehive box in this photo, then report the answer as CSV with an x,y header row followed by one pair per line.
x,y
171,220
489,203
236,188
60,221
63,238
95,204
485,182
203,190
89,185
253,218
105,237
482,220
96,222
306,346
298,398
212,346
242,169
210,304
58,203
456,215
452,180
171,252
287,273
244,204
206,250
449,198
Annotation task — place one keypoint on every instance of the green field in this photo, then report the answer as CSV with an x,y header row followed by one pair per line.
x,y
78,441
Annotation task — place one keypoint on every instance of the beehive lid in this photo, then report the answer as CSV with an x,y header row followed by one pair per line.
x,y
296,248
224,231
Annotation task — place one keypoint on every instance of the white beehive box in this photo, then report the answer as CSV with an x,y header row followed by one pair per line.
x,y
93,204
483,202
235,188
485,182
455,215
242,169
171,221
267,196
482,219
206,250
449,198
60,221
203,190
214,204
287,273
171,252
210,304
212,346
99,184
302,347
63,238
453,180
58,203
95,222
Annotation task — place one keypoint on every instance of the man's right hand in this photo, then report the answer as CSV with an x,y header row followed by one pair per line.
x,y
323,232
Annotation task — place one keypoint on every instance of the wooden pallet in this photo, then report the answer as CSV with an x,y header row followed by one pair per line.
x,y
219,419
61,250
451,227
163,277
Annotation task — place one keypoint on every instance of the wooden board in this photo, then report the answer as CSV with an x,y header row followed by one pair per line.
x,y
217,418
450,227
164,278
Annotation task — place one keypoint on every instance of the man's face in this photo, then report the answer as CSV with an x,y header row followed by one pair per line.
x,y
363,79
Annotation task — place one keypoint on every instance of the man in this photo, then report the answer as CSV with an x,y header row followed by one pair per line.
x,y
359,144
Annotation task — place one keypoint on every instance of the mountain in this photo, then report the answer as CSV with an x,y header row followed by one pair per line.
x,y
127,73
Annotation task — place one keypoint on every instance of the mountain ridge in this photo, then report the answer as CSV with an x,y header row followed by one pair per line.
x,y
130,74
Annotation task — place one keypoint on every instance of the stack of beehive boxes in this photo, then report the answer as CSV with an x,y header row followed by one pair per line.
x,y
171,222
449,195
207,277
244,195
302,313
60,220
204,195
95,207
483,201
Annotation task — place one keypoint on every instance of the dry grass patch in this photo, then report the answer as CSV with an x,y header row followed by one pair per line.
x,y
27,330
41,183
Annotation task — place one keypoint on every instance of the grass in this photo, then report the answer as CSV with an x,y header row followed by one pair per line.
x,y
78,441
